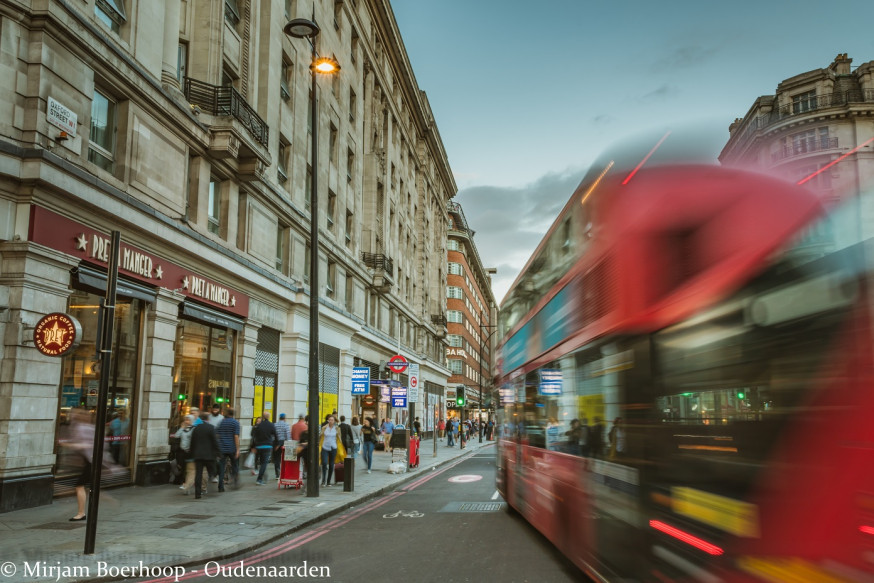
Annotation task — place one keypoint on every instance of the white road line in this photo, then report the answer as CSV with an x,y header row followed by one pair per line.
x,y
495,495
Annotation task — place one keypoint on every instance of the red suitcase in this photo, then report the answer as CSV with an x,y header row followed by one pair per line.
x,y
338,473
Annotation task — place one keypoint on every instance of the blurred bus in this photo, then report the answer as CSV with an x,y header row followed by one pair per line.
x,y
684,387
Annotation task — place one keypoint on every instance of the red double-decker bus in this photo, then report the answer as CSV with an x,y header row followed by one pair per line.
x,y
685,387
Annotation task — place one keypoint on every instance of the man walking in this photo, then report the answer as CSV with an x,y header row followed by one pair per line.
x,y
229,446
298,428
215,419
387,429
263,436
204,450
283,434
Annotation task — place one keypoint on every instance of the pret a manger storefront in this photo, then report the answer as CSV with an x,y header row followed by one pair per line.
x,y
175,343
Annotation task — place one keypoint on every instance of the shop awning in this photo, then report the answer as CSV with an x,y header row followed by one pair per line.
x,y
94,281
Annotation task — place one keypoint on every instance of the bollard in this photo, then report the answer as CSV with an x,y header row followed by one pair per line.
x,y
349,474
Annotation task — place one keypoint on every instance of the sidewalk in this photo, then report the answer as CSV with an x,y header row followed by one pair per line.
x,y
160,525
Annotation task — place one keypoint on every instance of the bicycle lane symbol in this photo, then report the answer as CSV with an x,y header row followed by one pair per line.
x,y
410,514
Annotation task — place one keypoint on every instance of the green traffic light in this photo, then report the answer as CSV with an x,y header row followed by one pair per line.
x,y
740,395
180,397
219,400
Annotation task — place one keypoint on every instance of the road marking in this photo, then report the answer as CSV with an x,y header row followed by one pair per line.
x,y
410,514
496,495
464,479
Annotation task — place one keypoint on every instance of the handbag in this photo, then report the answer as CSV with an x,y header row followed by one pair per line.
x,y
249,462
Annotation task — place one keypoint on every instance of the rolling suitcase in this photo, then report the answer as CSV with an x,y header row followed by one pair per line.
x,y
338,473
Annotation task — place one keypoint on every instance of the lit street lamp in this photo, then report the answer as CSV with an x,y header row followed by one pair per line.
x,y
308,29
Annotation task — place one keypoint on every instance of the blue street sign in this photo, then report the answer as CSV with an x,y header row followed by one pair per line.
x,y
360,380
550,382
399,396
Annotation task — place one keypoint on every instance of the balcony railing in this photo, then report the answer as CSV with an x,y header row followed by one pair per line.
x,y
217,100
804,147
379,261
439,319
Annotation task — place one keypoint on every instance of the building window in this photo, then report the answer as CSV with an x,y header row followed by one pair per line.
x,y
455,316
289,9
332,145
182,63
282,163
338,15
101,147
455,340
308,188
350,164
348,228
213,211
456,366
284,91
452,245
306,264
350,293
455,293
330,282
281,248
804,101
111,13
353,51
232,12
332,209
456,268
353,104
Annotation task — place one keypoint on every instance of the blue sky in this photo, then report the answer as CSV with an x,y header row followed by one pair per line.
x,y
526,95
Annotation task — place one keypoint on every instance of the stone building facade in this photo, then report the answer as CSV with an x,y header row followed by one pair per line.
x,y
471,314
184,125
817,129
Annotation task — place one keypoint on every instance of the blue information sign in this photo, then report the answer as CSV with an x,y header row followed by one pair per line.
x,y
361,380
550,382
399,396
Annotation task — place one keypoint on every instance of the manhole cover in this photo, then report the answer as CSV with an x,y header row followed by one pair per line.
x,y
473,507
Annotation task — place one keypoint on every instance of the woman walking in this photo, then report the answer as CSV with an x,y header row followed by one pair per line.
x,y
356,438
331,448
369,437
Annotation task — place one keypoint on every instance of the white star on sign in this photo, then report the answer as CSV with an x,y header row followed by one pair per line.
x,y
185,282
159,272
233,300
82,242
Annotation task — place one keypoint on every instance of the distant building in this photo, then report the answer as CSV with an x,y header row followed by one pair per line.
x,y
471,314
812,121
186,126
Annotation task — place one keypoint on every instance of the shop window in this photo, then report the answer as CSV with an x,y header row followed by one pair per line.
x,y
80,380
203,368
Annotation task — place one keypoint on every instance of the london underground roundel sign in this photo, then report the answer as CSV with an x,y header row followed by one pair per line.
x,y
56,334
398,363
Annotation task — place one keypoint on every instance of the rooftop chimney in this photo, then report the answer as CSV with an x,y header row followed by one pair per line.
x,y
841,66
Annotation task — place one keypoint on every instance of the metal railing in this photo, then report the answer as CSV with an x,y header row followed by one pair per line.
x,y
379,261
226,100
804,147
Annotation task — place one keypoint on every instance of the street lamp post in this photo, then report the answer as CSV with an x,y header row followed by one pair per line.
x,y
308,29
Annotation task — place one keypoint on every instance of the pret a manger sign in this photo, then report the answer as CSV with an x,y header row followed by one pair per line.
x,y
57,334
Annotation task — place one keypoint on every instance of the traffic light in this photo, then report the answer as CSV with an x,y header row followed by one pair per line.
x,y
459,396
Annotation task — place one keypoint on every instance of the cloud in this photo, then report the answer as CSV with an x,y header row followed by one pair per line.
x,y
663,92
684,58
509,222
